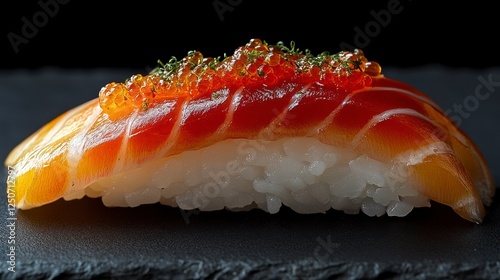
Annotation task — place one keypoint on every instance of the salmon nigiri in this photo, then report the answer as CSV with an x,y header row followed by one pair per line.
x,y
267,126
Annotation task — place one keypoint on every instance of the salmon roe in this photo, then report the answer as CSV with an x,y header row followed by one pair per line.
x,y
256,63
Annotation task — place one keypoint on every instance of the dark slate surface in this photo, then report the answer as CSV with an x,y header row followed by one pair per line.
x,y
85,240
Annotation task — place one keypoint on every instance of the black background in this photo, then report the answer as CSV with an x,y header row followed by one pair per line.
x,y
90,34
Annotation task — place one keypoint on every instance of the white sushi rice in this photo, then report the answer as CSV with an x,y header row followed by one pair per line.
x,y
301,173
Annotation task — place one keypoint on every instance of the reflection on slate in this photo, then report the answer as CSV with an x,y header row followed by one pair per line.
x,y
83,239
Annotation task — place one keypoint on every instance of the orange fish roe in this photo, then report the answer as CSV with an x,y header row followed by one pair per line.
x,y
256,63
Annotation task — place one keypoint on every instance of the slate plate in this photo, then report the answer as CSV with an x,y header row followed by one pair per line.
x,y
84,240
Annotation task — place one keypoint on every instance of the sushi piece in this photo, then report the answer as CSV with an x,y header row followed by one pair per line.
x,y
267,126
